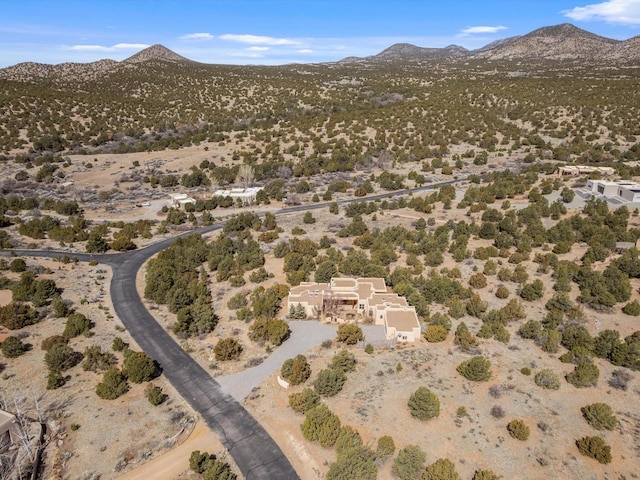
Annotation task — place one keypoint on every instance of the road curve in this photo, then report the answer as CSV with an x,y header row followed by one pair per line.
x,y
254,451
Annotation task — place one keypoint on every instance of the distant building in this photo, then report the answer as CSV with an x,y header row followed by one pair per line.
x,y
624,190
576,170
9,426
179,199
349,299
246,195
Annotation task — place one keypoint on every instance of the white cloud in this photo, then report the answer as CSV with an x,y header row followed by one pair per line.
x,y
258,39
258,49
305,50
612,11
113,48
197,36
482,29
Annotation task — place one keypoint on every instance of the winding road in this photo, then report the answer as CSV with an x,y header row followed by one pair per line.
x,y
254,451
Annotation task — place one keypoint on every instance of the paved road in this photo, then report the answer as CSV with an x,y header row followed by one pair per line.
x,y
253,450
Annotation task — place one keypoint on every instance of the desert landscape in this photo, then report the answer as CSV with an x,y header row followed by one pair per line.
x,y
403,167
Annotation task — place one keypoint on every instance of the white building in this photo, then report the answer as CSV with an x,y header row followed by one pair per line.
x,y
576,170
247,195
179,199
624,190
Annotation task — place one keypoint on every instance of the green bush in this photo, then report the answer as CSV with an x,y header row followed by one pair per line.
x,y
139,367
477,369
96,360
600,416
355,463
386,447
296,370
368,349
154,394
271,330
594,447
329,382
304,400
13,347
424,404
584,375
16,315
349,333
119,345
343,361
18,265
227,349
485,475
502,292
632,308
113,385
49,342
320,425
547,379
61,357
525,371
441,469
409,463
464,338
518,429
77,324
435,333
239,300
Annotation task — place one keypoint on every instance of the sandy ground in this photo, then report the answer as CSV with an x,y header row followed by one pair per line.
x,y
175,463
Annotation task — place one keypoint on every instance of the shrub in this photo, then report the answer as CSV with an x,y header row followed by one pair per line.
x,y
441,469
227,349
320,425
485,475
13,347
119,345
49,342
594,447
424,404
600,416
96,360
435,333
477,280
368,349
329,382
348,438
386,447
113,385
477,369
18,265
154,394
18,315
139,367
584,375
343,361
518,430
296,370
620,379
547,379
502,292
239,300
77,324
525,371
409,463
61,357
210,467
304,401
464,338
632,308
349,333
497,411
272,330
355,463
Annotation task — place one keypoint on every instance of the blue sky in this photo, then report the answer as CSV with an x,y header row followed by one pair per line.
x,y
272,32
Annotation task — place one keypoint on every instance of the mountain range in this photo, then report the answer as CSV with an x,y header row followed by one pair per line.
x,y
565,42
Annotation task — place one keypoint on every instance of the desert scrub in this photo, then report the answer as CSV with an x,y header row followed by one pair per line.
x,y
435,333
518,430
477,369
485,475
594,447
441,469
424,404
600,416
547,379
584,375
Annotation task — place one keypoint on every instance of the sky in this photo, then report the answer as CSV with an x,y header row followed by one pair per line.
x,y
275,32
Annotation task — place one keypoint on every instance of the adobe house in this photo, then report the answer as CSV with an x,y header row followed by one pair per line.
x,y
357,299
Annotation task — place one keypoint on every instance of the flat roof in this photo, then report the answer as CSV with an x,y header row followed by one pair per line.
x,y
403,320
